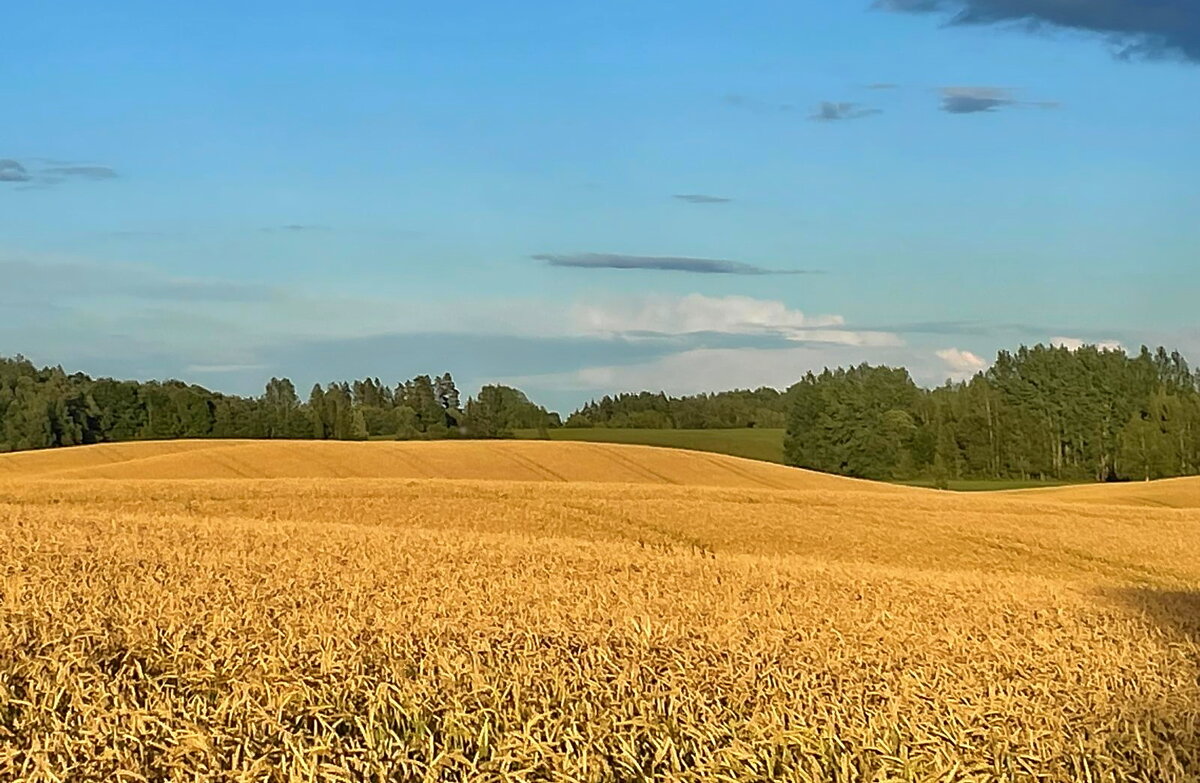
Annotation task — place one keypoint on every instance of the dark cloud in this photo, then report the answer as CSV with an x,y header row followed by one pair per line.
x,y
972,100
969,104
12,171
975,100
830,111
701,198
1145,29
83,172
703,266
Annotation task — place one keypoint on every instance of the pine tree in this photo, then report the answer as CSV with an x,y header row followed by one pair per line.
x,y
321,428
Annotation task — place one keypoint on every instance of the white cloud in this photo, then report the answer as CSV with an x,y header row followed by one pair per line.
x,y
143,320
707,370
960,361
1074,344
696,313
120,293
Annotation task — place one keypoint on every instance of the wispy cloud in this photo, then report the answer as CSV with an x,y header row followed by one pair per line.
x,y
976,100
42,281
882,86
41,174
294,228
196,290
830,111
701,198
703,266
1145,29
740,101
83,172
973,100
13,171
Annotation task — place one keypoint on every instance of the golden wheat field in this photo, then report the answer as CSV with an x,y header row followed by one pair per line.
x,y
535,611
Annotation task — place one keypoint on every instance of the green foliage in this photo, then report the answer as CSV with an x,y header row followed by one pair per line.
x,y
1040,413
358,425
42,408
764,407
857,422
499,410
405,423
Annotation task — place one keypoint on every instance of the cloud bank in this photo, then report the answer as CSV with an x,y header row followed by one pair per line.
x,y
730,315
702,266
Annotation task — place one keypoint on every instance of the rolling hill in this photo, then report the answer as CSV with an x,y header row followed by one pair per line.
x,y
1164,493
452,460
753,443
532,610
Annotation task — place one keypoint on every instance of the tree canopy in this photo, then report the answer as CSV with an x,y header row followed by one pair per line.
x,y
46,407
1041,412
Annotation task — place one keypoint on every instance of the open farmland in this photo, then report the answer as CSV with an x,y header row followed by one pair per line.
x,y
568,611
751,442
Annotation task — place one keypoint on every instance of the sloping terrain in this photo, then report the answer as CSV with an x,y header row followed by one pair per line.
x,y
1164,493
459,460
553,611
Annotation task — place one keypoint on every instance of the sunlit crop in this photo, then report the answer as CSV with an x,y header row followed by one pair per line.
x,y
345,614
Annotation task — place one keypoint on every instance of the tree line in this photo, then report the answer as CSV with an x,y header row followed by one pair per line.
x,y
763,407
46,407
1037,413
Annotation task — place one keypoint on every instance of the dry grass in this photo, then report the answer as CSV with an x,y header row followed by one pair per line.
x,y
409,628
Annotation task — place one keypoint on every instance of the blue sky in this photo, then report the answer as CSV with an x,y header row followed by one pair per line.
x,y
585,198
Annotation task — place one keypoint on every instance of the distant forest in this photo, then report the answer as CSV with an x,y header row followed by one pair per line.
x,y
41,408
1037,413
